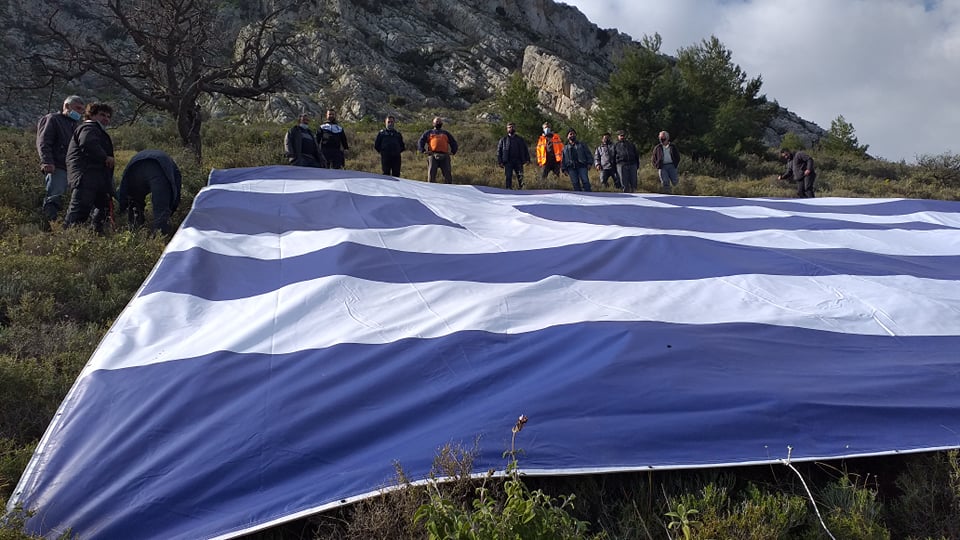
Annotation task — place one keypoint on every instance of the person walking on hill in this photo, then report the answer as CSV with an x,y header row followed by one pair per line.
x,y
301,145
576,161
389,144
53,137
333,141
665,159
153,172
90,165
628,161
512,155
800,168
549,152
606,163
439,145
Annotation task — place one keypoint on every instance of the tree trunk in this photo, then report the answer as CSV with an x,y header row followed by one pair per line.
x,y
188,126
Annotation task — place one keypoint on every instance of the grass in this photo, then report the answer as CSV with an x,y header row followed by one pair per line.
x,y
61,291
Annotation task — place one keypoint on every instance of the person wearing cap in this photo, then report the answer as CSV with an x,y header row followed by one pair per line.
x,y
576,161
549,150
53,137
627,157
801,170
604,158
665,159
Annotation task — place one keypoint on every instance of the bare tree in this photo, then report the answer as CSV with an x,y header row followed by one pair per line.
x,y
166,53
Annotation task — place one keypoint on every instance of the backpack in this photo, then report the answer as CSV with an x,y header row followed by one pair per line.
x,y
438,142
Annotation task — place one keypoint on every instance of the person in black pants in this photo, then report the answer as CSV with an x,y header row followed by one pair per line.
x,y
799,168
153,172
90,168
389,143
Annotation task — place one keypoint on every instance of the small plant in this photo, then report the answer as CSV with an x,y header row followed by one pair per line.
x,y
682,518
520,514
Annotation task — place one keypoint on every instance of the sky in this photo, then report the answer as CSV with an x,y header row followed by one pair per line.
x,y
891,68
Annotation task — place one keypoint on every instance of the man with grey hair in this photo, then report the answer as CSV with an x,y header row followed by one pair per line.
x,y
666,157
54,131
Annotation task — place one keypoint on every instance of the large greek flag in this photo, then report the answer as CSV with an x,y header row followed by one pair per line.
x,y
306,329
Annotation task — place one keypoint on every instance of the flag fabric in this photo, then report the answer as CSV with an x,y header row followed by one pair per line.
x,y
306,329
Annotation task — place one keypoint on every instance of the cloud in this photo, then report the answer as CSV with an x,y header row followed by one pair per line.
x,y
890,67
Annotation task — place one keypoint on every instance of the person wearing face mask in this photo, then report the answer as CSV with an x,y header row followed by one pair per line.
x,y
549,152
576,162
389,144
90,168
333,141
512,155
439,145
665,159
53,137
301,145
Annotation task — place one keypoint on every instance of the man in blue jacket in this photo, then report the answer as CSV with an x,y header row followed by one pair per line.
x,y
153,172
577,161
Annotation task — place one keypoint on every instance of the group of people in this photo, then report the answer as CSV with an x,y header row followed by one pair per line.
x,y
618,161
75,150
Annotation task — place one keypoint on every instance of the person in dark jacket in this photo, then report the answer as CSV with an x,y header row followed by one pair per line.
x,y
53,137
333,141
153,172
389,144
512,155
665,159
90,168
301,145
799,168
576,161
439,145
627,158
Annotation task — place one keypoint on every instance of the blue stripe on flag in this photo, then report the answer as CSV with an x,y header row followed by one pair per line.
x,y
224,442
694,219
645,258
242,212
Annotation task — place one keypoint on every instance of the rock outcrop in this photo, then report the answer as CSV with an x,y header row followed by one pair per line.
x,y
372,57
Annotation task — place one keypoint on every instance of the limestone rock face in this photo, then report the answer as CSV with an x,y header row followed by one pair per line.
x,y
373,57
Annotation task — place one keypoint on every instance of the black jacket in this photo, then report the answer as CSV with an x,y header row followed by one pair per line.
x,y
90,145
512,150
389,142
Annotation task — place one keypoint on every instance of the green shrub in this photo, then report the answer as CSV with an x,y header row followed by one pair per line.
x,y
929,502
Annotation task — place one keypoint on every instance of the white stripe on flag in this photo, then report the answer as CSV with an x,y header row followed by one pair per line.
x,y
324,312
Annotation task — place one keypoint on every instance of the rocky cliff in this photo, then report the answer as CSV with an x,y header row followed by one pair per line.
x,y
371,57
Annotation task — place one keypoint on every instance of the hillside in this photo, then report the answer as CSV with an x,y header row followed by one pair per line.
x,y
368,58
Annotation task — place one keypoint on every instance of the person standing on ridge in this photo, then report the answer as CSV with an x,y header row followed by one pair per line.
x,y
576,161
512,155
53,137
333,141
301,145
389,144
665,159
439,145
549,152
90,165
604,159
627,158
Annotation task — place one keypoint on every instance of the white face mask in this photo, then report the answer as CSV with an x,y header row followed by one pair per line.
x,y
546,131
305,126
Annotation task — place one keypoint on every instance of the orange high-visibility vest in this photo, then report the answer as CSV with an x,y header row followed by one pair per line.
x,y
542,148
